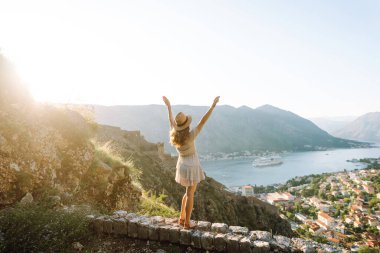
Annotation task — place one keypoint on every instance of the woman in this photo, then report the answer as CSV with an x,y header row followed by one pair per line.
x,y
189,171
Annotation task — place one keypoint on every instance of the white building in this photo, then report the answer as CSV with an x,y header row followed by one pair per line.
x,y
372,221
349,220
277,197
247,190
301,217
319,204
324,220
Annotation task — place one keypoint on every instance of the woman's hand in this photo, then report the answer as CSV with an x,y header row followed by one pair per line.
x,y
166,101
216,100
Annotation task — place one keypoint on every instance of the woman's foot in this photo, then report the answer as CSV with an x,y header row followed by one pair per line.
x,y
190,225
181,222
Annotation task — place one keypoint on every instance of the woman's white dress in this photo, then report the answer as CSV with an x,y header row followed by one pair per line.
x,y
189,170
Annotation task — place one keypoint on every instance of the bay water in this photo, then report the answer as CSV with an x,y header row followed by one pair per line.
x,y
237,172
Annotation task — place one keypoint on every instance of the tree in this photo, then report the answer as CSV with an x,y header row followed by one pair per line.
x,y
336,214
331,198
320,239
373,202
366,249
322,195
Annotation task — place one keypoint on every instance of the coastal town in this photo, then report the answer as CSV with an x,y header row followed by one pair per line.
x,y
341,209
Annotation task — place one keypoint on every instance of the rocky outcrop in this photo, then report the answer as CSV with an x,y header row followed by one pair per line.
x,y
217,237
46,150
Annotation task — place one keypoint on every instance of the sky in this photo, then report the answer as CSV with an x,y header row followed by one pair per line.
x,y
314,58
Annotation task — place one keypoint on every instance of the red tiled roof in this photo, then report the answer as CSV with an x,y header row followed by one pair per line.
x,y
324,215
333,240
372,243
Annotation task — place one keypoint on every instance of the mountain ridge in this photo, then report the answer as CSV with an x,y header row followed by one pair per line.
x,y
229,129
364,128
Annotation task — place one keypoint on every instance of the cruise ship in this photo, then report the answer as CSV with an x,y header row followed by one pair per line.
x,y
267,161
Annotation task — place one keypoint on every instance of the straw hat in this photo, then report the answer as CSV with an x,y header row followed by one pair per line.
x,y
182,121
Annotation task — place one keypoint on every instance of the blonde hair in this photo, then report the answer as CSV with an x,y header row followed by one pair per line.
x,y
179,138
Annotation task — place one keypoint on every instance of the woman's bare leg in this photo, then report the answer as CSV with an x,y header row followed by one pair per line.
x,y
183,208
189,202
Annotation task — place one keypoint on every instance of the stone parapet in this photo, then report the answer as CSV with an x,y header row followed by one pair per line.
x,y
215,237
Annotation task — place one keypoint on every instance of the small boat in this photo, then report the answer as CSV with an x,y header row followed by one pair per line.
x,y
267,161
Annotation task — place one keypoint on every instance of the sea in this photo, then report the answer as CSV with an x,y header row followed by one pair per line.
x,y
238,172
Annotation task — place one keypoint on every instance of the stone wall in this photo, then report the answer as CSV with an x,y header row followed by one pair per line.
x,y
206,236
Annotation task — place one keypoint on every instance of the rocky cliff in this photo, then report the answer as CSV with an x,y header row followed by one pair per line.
x,y
45,150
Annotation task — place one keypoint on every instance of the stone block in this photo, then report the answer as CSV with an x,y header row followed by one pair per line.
x,y
233,243
145,219
164,233
174,234
207,241
185,237
260,247
98,224
107,226
219,228
133,228
91,220
120,226
142,230
220,242
90,217
157,220
245,245
196,239
154,232
280,243
283,240
260,235
204,225
302,245
239,230
131,216
171,221
308,249
120,213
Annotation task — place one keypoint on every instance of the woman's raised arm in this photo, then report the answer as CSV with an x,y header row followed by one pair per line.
x,y
204,119
167,103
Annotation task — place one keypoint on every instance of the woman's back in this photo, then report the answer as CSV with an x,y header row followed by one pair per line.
x,y
189,147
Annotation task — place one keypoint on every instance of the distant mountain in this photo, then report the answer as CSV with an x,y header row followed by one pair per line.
x,y
332,124
229,129
364,128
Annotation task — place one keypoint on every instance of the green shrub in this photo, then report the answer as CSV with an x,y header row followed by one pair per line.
x,y
366,249
154,205
38,228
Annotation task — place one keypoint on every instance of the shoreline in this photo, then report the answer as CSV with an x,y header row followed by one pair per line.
x,y
279,185
255,154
